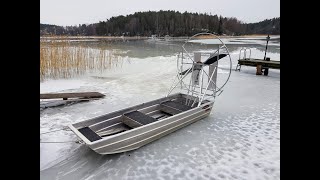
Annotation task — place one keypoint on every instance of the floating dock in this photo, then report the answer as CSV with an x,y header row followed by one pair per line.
x,y
262,65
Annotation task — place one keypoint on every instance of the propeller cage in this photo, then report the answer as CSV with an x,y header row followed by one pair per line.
x,y
197,70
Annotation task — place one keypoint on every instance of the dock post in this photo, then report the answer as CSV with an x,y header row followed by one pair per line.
x,y
259,69
266,70
265,53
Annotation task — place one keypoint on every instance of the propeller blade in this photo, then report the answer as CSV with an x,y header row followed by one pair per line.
x,y
184,72
214,58
209,61
197,66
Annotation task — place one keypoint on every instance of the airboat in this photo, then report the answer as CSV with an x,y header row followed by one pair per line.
x,y
189,99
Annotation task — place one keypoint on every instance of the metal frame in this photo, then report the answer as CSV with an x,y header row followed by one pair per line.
x,y
245,53
202,92
244,49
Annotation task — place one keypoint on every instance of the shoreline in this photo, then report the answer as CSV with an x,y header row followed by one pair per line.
x,y
143,37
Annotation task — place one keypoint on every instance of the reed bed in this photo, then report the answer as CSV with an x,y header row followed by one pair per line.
x,y
62,59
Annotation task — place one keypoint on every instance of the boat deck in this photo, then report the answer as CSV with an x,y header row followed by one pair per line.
x,y
136,119
176,105
173,108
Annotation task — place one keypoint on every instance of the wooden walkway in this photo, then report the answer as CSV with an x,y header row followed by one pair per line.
x,y
256,62
65,96
261,64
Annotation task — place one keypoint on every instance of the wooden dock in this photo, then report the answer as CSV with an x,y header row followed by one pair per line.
x,y
262,65
65,96
60,99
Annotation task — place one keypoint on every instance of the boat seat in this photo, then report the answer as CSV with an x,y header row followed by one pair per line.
x,y
135,119
173,108
89,134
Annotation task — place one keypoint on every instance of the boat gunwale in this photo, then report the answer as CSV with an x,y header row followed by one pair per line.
x,y
130,149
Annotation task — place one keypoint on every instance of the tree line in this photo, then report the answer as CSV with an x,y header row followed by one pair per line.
x,y
161,23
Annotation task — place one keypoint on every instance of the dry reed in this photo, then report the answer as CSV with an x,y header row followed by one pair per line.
x,y
61,59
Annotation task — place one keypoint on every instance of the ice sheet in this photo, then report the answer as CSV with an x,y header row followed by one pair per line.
x,y
239,140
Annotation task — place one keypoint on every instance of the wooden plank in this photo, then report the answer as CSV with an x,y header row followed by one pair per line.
x,y
55,103
71,95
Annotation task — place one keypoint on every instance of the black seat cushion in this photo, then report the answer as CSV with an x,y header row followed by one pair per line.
x,y
89,134
136,119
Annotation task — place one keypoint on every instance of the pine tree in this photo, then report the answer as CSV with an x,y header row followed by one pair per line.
x,y
220,31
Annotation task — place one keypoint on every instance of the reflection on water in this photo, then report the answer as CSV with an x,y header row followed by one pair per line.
x,y
145,49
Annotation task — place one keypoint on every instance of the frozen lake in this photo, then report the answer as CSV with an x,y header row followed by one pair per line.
x,y
239,140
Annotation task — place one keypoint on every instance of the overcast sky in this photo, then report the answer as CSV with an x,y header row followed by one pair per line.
x,y
74,12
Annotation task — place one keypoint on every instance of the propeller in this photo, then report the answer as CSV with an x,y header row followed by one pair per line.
x,y
209,61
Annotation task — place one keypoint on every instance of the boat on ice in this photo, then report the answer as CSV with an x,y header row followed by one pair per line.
x,y
130,128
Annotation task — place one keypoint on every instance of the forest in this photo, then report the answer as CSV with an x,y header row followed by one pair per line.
x,y
161,23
